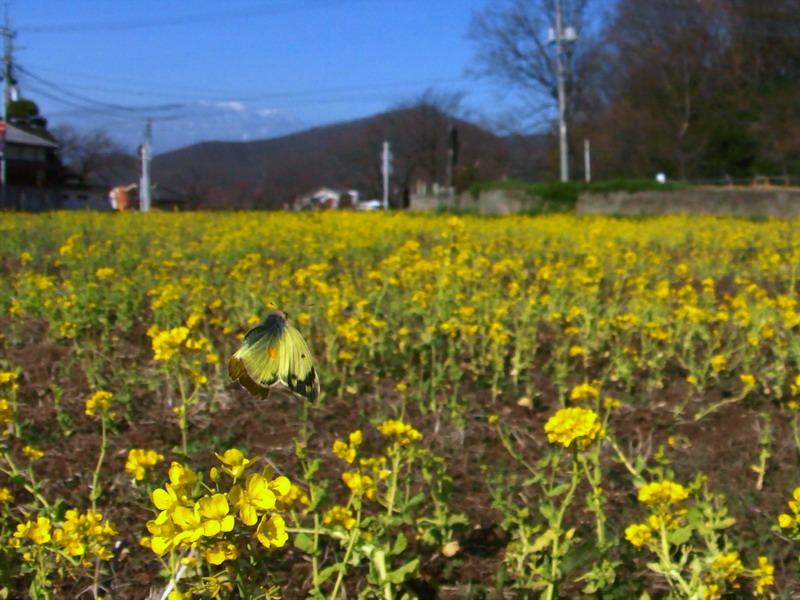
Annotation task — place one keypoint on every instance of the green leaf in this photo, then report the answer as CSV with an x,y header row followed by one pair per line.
x,y
558,490
400,544
304,542
415,501
326,573
543,541
680,536
401,574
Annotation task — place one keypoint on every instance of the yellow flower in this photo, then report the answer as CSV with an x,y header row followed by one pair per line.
x,y
254,496
493,418
360,484
728,566
98,402
662,493
234,462
11,377
180,476
347,450
6,412
584,391
339,516
38,532
574,424
638,534
167,343
271,532
765,573
747,379
218,553
718,362
104,273
786,521
32,453
293,499
399,432
215,510
140,461
6,496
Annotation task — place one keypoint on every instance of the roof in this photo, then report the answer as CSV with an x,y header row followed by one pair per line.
x,y
16,135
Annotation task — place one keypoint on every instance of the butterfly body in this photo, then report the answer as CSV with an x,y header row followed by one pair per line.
x,y
271,352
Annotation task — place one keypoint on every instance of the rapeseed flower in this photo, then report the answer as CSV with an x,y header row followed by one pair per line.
x,y
234,462
32,453
254,496
38,532
638,534
271,531
99,402
339,516
662,493
399,432
140,461
575,424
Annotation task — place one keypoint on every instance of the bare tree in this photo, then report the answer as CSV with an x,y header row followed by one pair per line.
x,y
92,155
514,50
418,129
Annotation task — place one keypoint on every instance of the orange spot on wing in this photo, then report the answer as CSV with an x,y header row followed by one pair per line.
x,y
272,353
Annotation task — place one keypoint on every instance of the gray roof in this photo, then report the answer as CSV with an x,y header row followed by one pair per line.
x,y
15,135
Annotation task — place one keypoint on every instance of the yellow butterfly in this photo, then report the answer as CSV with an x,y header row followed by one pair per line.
x,y
272,352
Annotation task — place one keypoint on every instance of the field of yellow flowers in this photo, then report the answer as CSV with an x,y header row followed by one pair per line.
x,y
553,406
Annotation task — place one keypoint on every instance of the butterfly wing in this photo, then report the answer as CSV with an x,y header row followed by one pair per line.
x,y
296,368
275,351
255,365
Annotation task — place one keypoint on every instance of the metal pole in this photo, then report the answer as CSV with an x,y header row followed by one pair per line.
x,y
562,100
587,160
385,170
144,183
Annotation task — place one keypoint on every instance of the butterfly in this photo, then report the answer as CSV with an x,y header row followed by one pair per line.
x,y
274,351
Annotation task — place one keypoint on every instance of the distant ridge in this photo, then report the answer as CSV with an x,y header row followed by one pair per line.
x,y
271,173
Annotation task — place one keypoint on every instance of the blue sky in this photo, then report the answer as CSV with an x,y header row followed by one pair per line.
x,y
292,63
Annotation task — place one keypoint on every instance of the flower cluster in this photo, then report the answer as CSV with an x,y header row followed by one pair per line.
x,y
575,424
399,432
208,522
99,402
664,499
140,461
84,536
790,523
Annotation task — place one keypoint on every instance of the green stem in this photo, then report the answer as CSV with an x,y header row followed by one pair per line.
x,y
182,422
95,493
393,480
353,537
555,561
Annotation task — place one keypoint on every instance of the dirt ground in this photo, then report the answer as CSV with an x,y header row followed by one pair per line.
x,y
723,445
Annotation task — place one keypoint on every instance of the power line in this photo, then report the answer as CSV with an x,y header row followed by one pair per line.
x,y
216,17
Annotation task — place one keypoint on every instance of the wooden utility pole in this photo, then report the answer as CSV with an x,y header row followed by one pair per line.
x,y
8,48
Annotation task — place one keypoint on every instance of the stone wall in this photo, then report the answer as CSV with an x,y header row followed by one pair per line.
x,y
738,202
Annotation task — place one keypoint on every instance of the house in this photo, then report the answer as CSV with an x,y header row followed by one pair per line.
x,y
326,198
32,170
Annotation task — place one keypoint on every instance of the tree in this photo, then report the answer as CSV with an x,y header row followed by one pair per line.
x,y
513,49
25,113
93,156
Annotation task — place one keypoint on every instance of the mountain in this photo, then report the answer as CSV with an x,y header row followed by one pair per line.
x,y
272,173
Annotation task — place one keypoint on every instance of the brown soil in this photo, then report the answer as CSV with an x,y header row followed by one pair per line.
x,y
723,445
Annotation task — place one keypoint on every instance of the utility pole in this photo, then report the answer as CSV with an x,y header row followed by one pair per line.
x,y
8,48
386,168
147,155
562,96
587,160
